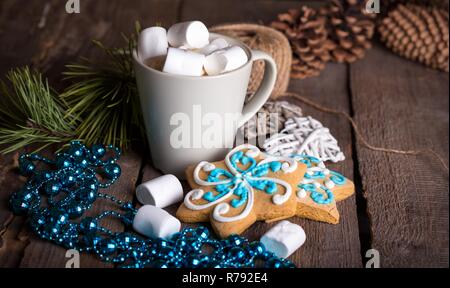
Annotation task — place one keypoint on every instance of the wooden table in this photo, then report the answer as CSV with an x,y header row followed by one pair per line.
x,y
401,204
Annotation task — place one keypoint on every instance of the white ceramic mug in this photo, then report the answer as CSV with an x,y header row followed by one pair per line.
x,y
182,113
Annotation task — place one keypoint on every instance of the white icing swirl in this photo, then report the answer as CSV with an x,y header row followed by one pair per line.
x,y
288,165
252,150
202,166
197,194
208,167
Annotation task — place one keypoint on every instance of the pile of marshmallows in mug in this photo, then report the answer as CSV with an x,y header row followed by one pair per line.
x,y
186,50
153,221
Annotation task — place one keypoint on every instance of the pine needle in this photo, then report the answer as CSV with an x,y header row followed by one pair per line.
x,y
100,106
30,112
104,96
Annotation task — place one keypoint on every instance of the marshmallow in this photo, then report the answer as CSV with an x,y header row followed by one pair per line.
x,y
192,34
160,192
154,222
225,60
152,43
284,238
216,44
183,62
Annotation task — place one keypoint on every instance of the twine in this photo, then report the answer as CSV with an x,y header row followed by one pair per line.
x,y
360,136
268,40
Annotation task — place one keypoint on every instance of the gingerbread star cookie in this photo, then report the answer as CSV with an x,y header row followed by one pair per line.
x,y
319,190
246,187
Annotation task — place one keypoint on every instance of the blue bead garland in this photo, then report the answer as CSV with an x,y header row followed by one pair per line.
x,y
55,200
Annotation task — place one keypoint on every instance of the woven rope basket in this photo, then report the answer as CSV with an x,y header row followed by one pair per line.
x,y
268,40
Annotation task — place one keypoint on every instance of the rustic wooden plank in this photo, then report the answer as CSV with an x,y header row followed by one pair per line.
x,y
19,42
60,39
66,37
18,46
18,25
14,239
403,105
337,245
214,12
11,240
7,170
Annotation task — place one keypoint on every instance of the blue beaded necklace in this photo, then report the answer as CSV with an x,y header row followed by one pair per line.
x,y
56,199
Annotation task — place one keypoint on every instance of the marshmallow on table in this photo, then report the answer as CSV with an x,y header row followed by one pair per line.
x,y
154,222
184,62
192,34
216,44
284,238
225,60
152,43
160,192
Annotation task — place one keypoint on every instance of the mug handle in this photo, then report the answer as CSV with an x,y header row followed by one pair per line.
x,y
265,88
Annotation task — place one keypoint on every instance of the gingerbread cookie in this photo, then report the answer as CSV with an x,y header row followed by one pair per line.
x,y
245,187
319,190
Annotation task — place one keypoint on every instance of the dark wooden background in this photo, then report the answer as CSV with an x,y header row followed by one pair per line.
x,y
401,204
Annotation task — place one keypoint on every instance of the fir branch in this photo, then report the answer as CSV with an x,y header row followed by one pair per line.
x,y
31,113
101,105
103,96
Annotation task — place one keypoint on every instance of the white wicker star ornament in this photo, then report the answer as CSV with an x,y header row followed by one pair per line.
x,y
304,136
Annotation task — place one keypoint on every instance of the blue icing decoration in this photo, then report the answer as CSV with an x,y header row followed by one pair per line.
x,y
260,171
216,173
275,166
209,196
221,188
307,160
240,157
260,185
235,203
271,187
249,175
337,178
315,175
242,192
317,196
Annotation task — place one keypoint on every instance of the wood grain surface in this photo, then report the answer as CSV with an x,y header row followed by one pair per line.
x,y
403,105
401,204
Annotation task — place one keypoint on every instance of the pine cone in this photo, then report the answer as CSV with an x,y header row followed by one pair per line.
x,y
388,5
350,29
306,32
418,33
